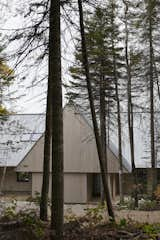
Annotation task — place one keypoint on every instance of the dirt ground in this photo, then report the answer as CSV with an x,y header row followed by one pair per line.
x,y
134,215
139,216
81,229
79,210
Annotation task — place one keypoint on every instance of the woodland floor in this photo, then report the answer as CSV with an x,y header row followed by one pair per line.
x,y
77,231
131,224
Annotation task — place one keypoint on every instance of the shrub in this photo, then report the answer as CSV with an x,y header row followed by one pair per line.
x,y
148,205
95,215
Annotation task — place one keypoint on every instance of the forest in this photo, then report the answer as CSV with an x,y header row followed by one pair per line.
x,y
88,71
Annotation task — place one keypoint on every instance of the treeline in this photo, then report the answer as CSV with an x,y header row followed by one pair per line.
x,y
123,56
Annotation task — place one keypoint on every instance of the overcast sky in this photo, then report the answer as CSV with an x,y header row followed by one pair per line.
x,y
29,98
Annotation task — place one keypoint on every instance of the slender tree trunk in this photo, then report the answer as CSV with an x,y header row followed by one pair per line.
x,y
153,162
94,120
57,121
3,178
46,162
130,106
119,144
108,123
118,111
103,127
157,78
119,127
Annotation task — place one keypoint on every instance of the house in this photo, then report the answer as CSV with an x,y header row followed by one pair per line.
x,y
144,178
21,163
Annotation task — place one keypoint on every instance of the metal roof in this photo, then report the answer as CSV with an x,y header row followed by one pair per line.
x,y
18,134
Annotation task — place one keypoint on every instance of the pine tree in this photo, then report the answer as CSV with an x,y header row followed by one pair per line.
x,y
117,65
100,149
106,64
148,23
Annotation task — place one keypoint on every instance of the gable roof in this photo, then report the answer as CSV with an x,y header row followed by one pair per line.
x,y
20,132
112,147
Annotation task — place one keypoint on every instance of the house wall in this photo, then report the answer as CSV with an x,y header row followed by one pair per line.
x,y
80,153
75,187
112,184
11,184
80,159
128,182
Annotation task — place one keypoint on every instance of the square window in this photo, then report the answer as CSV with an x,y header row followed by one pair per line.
x,y
23,176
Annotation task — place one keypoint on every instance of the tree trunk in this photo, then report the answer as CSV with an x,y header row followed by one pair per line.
x,y
130,106
46,162
2,179
103,127
57,121
94,119
119,127
108,124
118,111
153,162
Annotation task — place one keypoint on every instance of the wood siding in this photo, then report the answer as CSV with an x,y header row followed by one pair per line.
x,y
12,185
75,187
80,153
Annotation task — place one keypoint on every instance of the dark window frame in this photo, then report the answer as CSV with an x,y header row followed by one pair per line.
x,y
23,176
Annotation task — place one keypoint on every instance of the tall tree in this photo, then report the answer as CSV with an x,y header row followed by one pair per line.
x,y
116,67
57,119
150,7
129,97
149,23
46,161
92,107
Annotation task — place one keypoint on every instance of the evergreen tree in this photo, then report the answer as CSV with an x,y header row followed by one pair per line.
x,y
100,149
148,26
106,64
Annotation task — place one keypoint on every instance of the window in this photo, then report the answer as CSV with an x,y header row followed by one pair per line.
x,y
142,178
96,187
23,177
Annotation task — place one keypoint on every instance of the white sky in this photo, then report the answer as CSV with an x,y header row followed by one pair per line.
x,y
27,97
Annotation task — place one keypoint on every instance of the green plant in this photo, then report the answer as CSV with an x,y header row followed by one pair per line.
x,y
95,215
30,219
37,199
151,230
9,212
70,216
123,222
148,205
127,204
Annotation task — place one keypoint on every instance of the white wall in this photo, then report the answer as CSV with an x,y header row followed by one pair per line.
x,y
75,187
80,153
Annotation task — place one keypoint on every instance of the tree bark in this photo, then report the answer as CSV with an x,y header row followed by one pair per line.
x,y
119,126
46,162
94,119
103,126
118,107
3,179
151,62
57,121
130,106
